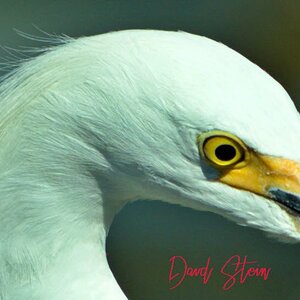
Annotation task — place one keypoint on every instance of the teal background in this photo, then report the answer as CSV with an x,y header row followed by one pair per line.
x,y
146,234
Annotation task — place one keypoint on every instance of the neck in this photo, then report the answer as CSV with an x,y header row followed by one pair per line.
x,y
81,272
57,244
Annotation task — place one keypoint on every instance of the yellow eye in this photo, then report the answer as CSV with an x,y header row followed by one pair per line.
x,y
223,149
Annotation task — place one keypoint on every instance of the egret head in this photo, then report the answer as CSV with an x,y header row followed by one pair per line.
x,y
195,123
169,116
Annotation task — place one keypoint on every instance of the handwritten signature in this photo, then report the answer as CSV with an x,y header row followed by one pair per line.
x,y
235,270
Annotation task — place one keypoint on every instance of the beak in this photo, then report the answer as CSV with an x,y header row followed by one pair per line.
x,y
272,177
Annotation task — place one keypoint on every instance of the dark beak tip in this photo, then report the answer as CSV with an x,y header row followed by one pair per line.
x,y
288,199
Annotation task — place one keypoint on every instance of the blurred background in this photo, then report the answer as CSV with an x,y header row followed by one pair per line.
x,y
145,235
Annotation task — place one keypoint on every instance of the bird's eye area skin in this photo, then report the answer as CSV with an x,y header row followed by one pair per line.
x,y
274,178
223,149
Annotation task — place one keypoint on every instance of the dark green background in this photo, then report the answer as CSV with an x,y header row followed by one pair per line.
x,y
146,234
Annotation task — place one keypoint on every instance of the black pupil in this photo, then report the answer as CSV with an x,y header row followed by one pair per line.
x,y
225,152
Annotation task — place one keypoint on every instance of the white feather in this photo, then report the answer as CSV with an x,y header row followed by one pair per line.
x,y
103,120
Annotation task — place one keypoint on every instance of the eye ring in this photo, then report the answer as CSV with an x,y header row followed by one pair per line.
x,y
223,149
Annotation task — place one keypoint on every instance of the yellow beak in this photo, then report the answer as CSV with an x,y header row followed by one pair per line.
x,y
271,177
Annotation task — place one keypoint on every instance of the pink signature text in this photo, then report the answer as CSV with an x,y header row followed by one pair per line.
x,y
235,270
204,272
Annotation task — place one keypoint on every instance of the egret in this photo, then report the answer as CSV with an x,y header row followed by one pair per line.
x,y
100,121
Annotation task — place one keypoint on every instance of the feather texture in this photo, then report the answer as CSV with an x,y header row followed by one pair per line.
x,y
96,122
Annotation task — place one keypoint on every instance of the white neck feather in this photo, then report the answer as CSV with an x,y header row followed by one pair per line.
x,y
79,273
66,260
